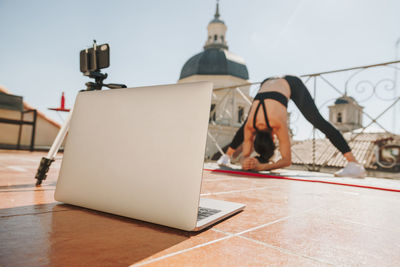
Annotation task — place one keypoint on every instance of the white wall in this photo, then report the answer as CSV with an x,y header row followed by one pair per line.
x,y
46,130
227,103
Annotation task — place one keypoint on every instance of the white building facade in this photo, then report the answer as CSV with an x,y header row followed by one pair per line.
x,y
224,69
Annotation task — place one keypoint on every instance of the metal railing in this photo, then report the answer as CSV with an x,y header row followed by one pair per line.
x,y
374,86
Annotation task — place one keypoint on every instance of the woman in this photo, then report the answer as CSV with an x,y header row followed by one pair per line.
x,y
270,120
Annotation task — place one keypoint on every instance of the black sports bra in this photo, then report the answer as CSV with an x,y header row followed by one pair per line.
x,y
268,95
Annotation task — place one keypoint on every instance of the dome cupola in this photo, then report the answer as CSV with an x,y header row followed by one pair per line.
x,y
215,59
216,32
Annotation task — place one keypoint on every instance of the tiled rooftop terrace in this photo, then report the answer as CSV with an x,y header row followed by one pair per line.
x,y
285,223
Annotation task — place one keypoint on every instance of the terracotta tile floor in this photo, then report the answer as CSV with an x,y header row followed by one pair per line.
x,y
285,223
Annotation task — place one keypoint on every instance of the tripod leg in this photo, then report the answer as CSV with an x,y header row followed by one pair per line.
x,y
45,162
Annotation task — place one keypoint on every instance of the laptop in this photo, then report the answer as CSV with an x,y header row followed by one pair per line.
x,y
139,153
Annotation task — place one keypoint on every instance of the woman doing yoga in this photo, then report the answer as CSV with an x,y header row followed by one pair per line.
x,y
268,118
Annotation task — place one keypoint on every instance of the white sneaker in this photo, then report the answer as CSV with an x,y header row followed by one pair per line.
x,y
352,169
224,160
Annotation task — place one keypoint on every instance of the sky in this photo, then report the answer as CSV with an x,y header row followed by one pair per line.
x,y
151,40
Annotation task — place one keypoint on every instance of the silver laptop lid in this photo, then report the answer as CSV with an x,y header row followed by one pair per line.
x,y
138,152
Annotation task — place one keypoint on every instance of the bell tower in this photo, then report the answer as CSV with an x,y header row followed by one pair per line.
x,y
346,114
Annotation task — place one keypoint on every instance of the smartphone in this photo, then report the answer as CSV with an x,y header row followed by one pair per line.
x,y
95,58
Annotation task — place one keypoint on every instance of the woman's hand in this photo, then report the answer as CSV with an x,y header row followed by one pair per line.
x,y
250,164
254,164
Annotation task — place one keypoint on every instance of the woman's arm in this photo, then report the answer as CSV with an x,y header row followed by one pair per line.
x,y
284,147
247,162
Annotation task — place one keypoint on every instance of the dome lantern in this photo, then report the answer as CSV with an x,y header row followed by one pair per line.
x,y
216,32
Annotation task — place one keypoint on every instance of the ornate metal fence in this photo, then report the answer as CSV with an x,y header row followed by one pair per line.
x,y
373,135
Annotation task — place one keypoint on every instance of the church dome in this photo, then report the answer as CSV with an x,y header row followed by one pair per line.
x,y
216,58
215,61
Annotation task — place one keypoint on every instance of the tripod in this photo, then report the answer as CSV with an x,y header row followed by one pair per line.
x,y
45,162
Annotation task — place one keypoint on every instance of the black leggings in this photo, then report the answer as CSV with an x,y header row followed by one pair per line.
x,y
303,100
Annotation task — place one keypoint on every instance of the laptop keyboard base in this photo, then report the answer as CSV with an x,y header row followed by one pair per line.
x,y
206,212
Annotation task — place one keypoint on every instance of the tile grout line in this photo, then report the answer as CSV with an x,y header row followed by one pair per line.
x,y
370,226
181,251
276,221
284,250
351,196
226,178
229,235
282,219
26,214
239,191
21,191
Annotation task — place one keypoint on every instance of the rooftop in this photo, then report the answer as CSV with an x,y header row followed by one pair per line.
x,y
363,146
287,221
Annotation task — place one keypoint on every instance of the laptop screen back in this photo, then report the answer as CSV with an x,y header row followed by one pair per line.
x,y
138,152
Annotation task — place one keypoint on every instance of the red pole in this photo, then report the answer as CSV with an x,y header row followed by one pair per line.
x,y
62,101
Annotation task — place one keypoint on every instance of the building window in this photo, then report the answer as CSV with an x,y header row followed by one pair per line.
x,y
213,112
339,117
215,37
240,114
